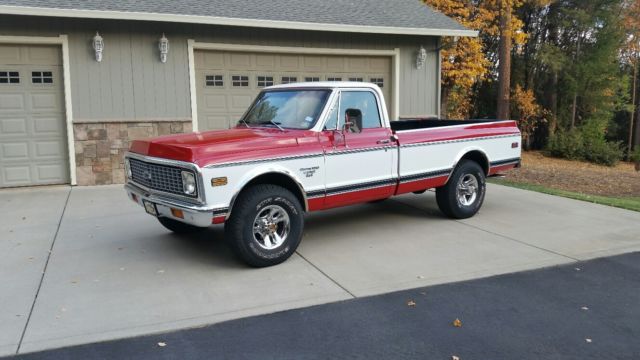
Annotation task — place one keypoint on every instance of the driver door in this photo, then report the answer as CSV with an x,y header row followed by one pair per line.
x,y
358,160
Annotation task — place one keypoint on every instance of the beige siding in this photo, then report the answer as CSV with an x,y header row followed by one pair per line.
x,y
132,84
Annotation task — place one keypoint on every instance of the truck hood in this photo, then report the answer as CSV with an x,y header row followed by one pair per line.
x,y
219,146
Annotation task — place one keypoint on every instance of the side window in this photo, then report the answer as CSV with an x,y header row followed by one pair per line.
x,y
364,101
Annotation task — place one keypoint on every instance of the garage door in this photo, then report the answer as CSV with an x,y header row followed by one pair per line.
x,y
227,82
33,146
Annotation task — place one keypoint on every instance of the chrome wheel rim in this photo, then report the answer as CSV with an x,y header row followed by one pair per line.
x,y
467,190
271,227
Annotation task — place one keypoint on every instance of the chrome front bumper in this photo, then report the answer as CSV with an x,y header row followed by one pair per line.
x,y
196,215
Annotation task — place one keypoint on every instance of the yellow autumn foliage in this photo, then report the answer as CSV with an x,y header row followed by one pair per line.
x,y
464,61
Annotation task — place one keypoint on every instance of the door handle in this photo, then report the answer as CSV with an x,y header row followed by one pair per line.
x,y
385,141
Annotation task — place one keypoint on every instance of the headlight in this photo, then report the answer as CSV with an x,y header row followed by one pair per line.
x,y
127,168
188,183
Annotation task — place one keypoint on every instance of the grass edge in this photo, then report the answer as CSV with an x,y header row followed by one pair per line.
x,y
622,203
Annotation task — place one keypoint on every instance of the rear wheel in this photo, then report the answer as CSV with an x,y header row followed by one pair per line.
x,y
265,226
179,227
463,194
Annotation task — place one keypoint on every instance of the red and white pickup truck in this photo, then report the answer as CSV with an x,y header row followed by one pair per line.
x,y
307,147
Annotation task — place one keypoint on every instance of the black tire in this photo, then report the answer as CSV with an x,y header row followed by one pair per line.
x,y
239,229
179,227
447,198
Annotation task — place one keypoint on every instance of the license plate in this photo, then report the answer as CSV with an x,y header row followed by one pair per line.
x,y
151,208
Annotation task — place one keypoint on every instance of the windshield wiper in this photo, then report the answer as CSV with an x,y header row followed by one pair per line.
x,y
273,123
245,122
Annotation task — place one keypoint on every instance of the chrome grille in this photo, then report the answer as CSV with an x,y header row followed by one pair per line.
x,y
158,177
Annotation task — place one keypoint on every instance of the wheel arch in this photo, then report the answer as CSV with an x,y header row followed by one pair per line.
x,y
475,154
280,177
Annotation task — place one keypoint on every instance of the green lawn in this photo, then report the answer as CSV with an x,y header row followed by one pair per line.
x,y
629,203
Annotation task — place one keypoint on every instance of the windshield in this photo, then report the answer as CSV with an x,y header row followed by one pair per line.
x,y
291,109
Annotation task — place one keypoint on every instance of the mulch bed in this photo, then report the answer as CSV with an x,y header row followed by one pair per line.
x,y
621,180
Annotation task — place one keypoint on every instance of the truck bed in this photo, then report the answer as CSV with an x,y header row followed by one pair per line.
x,y
414,124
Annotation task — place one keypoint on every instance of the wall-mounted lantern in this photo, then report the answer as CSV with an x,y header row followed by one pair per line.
x,y
421,57
98,46
163,46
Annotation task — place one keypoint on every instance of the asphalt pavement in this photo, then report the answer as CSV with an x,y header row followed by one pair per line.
x,y
584,310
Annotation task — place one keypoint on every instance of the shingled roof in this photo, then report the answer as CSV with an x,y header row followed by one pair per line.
x,y
409,17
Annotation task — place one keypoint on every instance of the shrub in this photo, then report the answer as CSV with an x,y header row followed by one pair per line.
x,y
635,156
568,145
604,152
587,143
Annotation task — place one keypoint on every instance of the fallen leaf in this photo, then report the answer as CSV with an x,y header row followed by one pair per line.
x,y
584,308
453,357
457,323
588,340
411,303
161,344
577,269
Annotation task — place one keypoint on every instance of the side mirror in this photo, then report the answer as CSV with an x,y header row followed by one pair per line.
x,y
353,121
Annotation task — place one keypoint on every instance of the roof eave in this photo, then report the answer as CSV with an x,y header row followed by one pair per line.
x,y
213,20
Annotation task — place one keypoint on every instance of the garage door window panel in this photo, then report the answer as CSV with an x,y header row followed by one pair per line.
x,y
9,77
41,77
312,79
240,81
289,79
214,80
264,81
377,81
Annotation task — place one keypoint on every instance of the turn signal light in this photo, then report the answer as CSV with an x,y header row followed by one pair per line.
x,y
177,213
219,181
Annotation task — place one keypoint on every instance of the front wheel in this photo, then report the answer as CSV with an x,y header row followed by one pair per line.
x,y
265,226
463,194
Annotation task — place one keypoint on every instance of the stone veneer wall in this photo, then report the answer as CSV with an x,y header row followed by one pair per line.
x,y
100,147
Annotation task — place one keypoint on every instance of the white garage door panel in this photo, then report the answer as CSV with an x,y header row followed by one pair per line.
x,y
13,126
33,145
222,101
11,102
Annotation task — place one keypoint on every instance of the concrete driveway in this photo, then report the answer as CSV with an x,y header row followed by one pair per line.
x,y
85,264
